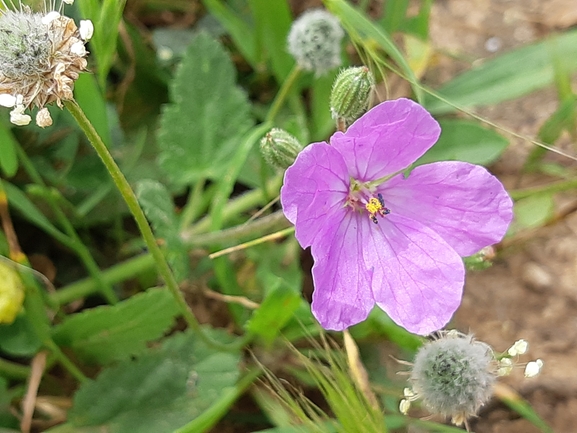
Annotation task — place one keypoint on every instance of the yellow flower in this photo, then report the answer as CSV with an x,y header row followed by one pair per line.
x,y
11,293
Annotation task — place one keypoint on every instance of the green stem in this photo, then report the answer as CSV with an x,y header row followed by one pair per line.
x,y
137,265
131,201
283,93
546,189
193,206
12,370
75,242
113,275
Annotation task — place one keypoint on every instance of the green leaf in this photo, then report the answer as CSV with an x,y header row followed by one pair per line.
x,y
563,118
509,76
18,200
19,337
207,118
241,32
106,16
273,22
108,333
467,141
159,208
274,312
160,391
8,159
532,212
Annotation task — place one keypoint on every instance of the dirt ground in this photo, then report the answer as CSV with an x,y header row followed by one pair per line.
x,y
531,291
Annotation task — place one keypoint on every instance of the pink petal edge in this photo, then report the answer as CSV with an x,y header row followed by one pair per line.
x,y
387,139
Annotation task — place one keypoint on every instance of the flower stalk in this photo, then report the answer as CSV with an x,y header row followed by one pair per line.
x,y
138,214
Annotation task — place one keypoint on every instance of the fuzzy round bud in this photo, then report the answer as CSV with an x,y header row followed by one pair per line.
x,y
314,41
11,293
279,148
351,93
453,376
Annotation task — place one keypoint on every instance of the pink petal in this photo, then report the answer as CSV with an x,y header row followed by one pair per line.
x,y
387,139
417,278
463,203
315,188
342,296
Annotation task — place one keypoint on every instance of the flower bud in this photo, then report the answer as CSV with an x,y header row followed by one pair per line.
x,y
11,293
351,93
314,41
279,148
454,376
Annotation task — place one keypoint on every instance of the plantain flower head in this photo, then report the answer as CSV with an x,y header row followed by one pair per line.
x,y
41,56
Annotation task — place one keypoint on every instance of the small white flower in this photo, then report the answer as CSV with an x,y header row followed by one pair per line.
x,y
404,406
43,118
7,100
18,118
49,17
518,348
533,368
78,49
86,29
505,367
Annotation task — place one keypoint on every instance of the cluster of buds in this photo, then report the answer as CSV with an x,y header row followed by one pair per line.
x,y
41,56
453,375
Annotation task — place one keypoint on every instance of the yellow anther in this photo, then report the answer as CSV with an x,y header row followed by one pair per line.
x,y
373,206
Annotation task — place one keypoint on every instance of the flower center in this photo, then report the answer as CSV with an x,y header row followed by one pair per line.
x,y
361,198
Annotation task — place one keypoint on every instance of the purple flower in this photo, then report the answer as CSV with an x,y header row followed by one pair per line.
x,y
379,237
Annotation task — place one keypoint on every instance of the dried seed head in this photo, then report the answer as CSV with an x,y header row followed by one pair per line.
x,y
41,55
454,375
314,41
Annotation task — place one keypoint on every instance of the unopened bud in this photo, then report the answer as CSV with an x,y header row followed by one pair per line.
x,y
279,148
11,293
351,93
314,41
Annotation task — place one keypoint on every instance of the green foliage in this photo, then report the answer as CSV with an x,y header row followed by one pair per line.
x,y
8,159
506,77
208,115
274,312
106,16
109,333
181,97
533,211
157,204
19,338
467,141
160,391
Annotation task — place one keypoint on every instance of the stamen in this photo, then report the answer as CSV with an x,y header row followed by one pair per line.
x,y
377,206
